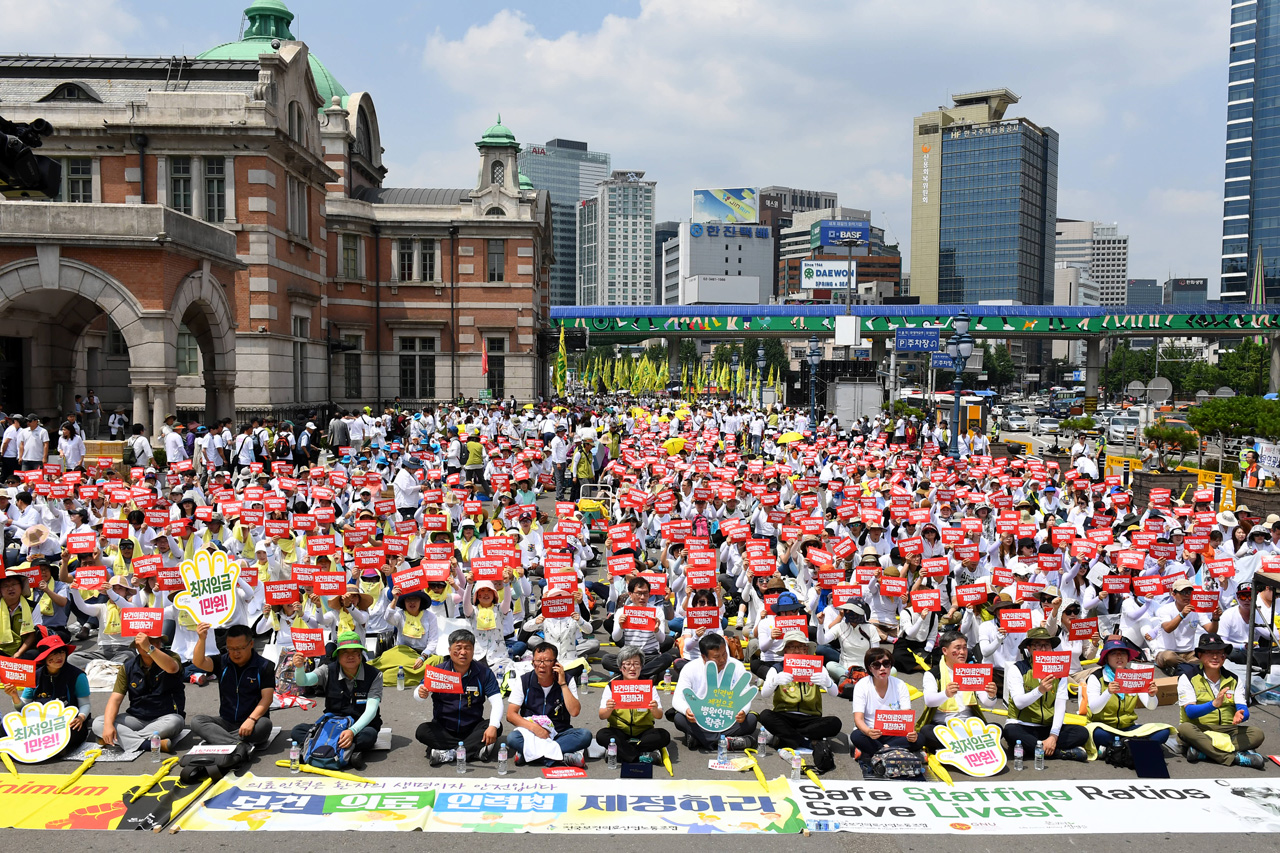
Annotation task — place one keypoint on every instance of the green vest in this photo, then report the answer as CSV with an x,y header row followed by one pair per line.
x,y
1120,712
585,468
1224,716
475,453
633,721
805,698
1040,712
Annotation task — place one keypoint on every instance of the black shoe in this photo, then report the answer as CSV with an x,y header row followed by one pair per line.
x,y
358,762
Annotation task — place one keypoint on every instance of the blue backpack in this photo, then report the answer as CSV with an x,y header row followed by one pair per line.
x,y
321,746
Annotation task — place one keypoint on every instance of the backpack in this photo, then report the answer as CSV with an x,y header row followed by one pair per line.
x,y
897,763
128,455
283,447
320,749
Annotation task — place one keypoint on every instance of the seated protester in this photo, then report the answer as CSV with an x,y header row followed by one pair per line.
x,y
850,628
1213,711
914,649
795,720
246,686
711,648
769,636
18,634
351,689
111,645
632,729
943,698
457,717
157,695
1037,707
1234,625
651,641
570,634
543,703
880,692
51,600
57,679
1114,715
416,633
1179,624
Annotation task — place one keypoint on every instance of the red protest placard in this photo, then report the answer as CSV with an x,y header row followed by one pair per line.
x,y
330,583
1051,664
657,582
791,622
1221,567
1133,680
409,580
438,680
911,545
1028,591
926,600
280,592
623,564
489,569
322,546
638,619
435,571
803,667
893,587
557,606
830,577
971,593
701,617
631,694
1204,600
141,620
115,528
82,543
935,567
1148,586
169,579
1015,621
973,676
1083,629
308,642
146,567
1115,584
18,672
303,573
1130,559
895,722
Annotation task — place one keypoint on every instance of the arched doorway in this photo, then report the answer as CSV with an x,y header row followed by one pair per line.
x,y
204,341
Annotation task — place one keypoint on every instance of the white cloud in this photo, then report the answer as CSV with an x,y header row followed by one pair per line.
x,y
103,26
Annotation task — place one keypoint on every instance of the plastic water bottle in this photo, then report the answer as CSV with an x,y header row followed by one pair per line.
x,y
797,767
612,754
1039,755
722,749
762,742
400,678
1017,756
155,747
502,760
671,676
295,753
462,759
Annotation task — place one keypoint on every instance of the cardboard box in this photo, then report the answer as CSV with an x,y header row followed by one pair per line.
x,y
1167,690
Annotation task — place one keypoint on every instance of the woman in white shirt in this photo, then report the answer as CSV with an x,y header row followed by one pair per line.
x,y
1114,715
880,692
70,447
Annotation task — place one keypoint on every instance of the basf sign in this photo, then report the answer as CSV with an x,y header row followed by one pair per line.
x,y
830,232
736,204
826,275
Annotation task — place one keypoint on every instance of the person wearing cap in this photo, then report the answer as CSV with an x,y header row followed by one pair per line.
x,y
582,465
766,633
57,679
1213,710
246,687
880,692
848,628
152,680
1233,627
1179,624
18,634
1038,706
1113,715
352,689
175,448
460,717
795,720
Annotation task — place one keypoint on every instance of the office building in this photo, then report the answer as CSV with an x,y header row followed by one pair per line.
x,y
1102,250
569,171
716,263
984,203
1073,286
1143,291
615,242
791,200
1186,291
814,236
662,232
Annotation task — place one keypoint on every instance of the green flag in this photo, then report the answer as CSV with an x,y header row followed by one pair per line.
x,y
562,367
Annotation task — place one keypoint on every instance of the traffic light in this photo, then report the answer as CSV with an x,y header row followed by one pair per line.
x,y
24,174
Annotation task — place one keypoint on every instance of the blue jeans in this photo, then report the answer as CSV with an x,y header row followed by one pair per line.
x,y
570,740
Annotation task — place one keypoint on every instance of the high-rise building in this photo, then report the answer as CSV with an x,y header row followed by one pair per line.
x,y
1102,250
570,172
802,240
717,263
615,242
662,232
1186,291
984,203
792,200
1251,196
1143,291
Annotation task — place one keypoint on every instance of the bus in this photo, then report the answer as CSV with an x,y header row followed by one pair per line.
x,y
1065,403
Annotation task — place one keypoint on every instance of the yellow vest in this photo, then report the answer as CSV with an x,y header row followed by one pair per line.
x,y
1120,712
586,466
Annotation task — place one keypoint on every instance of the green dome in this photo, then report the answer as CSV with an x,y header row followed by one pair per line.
x,y
525,183
497,136
270,19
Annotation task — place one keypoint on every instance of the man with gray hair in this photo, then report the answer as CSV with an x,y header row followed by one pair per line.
x,y
457,717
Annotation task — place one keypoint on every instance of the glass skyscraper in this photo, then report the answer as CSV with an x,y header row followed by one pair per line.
x,y
1251,196
570,172
998,200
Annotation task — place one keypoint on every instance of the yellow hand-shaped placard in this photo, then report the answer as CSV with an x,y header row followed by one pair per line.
x,y
38,732
209,587
971,744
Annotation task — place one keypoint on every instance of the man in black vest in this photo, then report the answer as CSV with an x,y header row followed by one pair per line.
x,y
157,695
246,686
351,689
546,693
460,717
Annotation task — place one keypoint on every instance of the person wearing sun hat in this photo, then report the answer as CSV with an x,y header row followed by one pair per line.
x,y
17,625
1114,715
351,688
1038,706
1213,711
57,679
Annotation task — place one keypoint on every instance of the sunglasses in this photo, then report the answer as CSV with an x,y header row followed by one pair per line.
x,y
880,664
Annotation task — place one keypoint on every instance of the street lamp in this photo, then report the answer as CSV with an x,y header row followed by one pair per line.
x,y
959,348
815,358
734,361
760,371
849,243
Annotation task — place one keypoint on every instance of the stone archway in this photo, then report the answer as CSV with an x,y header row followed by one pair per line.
x,y
200,304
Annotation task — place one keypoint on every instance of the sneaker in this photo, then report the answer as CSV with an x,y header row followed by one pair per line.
x,y
519,760
656,756
488,752
738,744
200,679
645,758
436,757
574,759
1194,755
1075,753
1249,759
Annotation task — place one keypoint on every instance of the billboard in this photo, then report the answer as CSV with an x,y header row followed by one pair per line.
x,y
824,275
829,232
734,204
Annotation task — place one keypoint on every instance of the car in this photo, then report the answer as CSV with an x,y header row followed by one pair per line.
x,y
1046,426
997,410
1015,423
1043,408
1122,427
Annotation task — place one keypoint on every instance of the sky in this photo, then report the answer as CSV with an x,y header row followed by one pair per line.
x,y
816,94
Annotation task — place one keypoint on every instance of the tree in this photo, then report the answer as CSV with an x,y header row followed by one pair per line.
x,y
775,355
689,352
656,353
1173,441
999,365
1236,417
1127,365
1247,368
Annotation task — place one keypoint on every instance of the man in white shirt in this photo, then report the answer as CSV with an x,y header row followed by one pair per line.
x,y
9,446
174,448
559,460
408,491
713,649
1180,624
34,441
141,447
